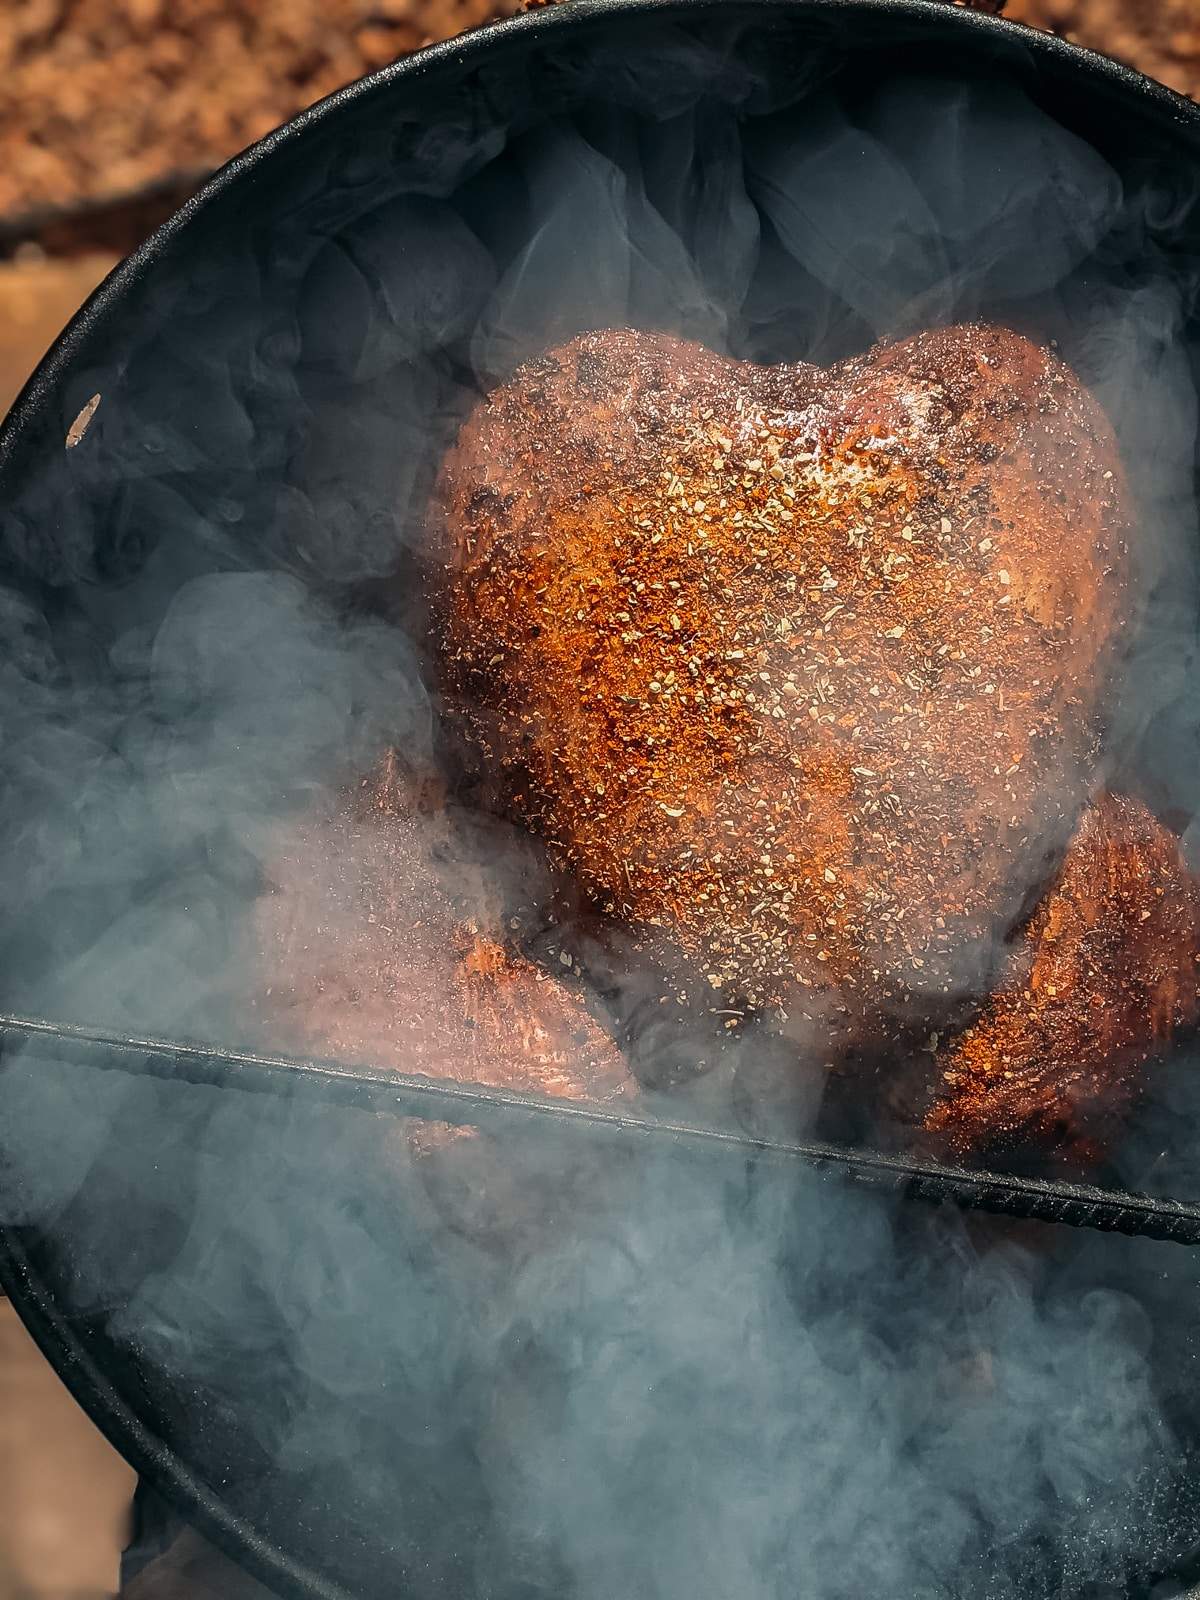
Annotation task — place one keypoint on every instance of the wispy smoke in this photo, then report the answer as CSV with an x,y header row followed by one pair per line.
x,y
553,1368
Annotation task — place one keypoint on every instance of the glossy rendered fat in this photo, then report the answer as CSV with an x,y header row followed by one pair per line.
x,y
802,667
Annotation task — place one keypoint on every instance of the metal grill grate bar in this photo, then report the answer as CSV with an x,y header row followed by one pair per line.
x,y
1077,1205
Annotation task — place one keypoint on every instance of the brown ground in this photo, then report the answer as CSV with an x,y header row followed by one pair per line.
x,y
101,99
1159,37
64,1493
36,298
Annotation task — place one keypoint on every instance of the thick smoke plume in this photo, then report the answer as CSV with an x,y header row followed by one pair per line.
x,y
556,1369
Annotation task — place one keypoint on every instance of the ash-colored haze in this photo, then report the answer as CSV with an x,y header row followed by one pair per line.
x,y
549,1369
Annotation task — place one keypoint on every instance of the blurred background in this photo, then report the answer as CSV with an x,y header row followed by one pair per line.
x,y
111,113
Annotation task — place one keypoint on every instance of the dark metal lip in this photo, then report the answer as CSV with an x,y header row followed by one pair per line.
x,y
150,1458
406,1094
1172,110
1173,115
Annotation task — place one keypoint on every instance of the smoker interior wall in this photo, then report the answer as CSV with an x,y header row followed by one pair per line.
x,y
383,1362
354,1347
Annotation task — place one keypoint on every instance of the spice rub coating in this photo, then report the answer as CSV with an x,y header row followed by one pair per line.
x,y
802,667
1102,978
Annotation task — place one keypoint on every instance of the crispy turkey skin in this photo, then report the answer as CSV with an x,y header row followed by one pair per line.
x,y
370,948
800,672
1098,983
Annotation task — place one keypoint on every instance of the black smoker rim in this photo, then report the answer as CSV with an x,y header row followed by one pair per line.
x,y
1171,113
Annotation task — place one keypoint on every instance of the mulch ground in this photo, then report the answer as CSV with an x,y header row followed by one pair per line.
x,y
107,104
102,99
1159,37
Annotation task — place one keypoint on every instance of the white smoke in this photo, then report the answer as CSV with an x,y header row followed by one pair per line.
x,y
545,1369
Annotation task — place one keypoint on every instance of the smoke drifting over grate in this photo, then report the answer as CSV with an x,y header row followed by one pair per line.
x,y
556,1369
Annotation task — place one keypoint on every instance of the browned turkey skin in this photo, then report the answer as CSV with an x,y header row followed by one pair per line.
x,y
1099,982
369,952
801,673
